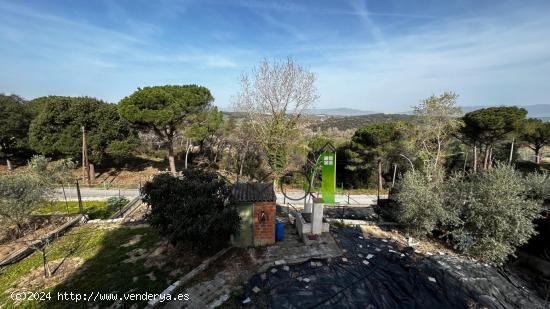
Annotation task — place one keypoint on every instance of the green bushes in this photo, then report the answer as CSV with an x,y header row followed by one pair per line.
x,y
485,215
192,209
537,186
423,203
115,203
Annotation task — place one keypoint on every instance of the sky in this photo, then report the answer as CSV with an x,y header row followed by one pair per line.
x,y
383,56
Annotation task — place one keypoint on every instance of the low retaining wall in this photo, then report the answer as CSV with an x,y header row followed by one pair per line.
x,y
303,227
24,252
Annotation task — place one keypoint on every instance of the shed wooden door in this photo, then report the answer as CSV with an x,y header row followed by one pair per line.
x,y
245,236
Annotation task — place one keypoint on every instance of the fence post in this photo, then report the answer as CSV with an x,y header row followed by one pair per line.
x,y
65,196
80,207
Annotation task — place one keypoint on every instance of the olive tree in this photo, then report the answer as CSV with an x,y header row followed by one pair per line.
x,y
19,195
486,215
274,97
164,110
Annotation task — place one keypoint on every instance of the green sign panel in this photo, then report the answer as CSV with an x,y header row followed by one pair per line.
x,y
328,176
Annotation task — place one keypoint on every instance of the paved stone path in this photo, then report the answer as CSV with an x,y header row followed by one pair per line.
x,y
216,290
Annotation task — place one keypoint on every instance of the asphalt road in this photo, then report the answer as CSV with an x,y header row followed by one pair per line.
x,y
97,193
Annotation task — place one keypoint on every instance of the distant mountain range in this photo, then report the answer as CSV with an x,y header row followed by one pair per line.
x,y
338,112
534,111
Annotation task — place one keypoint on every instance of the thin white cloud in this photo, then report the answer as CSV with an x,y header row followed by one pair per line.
x,y
362,12
487,60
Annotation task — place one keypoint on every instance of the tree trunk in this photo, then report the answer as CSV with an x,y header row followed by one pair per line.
x,y
511,151
394,174
47,272
379,182
490,163
486,159
537,157
380,175
475,158
171,159
188,147
8,162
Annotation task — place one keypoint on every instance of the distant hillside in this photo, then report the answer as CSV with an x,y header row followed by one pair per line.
x,y
338,112
545,119
533,111
354,122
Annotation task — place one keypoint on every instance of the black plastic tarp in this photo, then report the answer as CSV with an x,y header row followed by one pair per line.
x,y
379,275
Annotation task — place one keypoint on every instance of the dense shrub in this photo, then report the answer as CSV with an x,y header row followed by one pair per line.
x,y
422,199
192,209
486,215
537,186
497,215
19,195
115,203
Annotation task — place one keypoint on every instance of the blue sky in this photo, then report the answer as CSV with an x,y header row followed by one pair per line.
x,y
371,55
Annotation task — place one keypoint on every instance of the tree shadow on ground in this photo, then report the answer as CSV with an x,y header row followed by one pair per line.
x,y
113,260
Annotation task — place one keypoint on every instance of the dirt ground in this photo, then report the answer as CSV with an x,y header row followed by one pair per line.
x,y
112,177
421,246
60,270
38,227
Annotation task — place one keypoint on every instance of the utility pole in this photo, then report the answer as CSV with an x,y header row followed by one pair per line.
x,y
85,163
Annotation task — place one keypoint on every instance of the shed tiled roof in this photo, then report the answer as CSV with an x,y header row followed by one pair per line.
x,y
253,192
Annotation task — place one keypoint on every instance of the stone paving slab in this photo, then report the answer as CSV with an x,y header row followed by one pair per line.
x,y
291,250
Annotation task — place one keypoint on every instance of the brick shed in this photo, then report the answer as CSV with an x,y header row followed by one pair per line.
x,y
256,203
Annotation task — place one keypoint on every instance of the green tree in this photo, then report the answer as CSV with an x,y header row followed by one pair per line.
x,y
56,130
486,215
165,109
436,120
373,145
487,126
192,209
497,214
19,195
537,135
421,199
206,130
14,125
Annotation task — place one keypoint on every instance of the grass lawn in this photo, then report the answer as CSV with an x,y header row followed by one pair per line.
x,y
94,209
100,259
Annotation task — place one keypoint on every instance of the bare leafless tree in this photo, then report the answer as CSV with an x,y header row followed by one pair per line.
x,y
274,96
